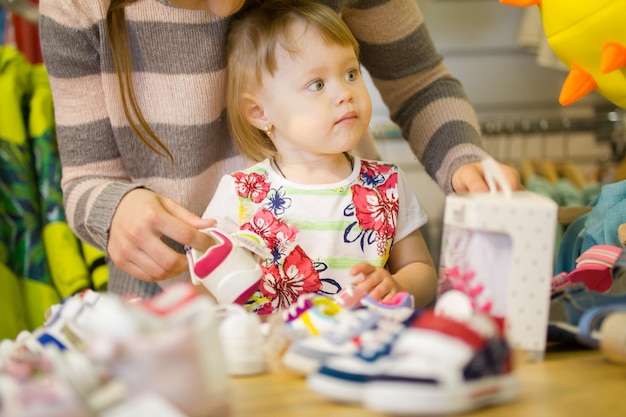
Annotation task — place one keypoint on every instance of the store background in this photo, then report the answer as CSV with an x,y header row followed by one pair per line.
x,y
489,48
510,77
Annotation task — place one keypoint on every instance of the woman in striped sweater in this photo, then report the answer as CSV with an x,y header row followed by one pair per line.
x,y
139,95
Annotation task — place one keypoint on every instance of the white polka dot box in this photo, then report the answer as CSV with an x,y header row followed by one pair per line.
x,y
497,256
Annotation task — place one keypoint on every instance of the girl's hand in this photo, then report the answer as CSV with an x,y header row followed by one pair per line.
x,y
142,219
375,281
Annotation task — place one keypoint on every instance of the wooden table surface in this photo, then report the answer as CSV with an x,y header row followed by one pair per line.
x,y
568,383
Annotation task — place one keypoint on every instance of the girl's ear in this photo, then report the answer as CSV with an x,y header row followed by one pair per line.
x,y
254,112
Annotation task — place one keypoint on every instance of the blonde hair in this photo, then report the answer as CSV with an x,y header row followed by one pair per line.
x,y
251,52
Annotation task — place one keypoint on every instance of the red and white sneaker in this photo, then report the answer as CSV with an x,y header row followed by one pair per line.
x,y
231,268
159,354
437,365
169,346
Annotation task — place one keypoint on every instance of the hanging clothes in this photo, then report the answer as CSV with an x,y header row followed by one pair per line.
x,y
41,260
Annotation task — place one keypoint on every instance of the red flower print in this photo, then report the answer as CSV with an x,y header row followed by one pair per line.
x,y
253,186
372,168
376,209
282,286
272,230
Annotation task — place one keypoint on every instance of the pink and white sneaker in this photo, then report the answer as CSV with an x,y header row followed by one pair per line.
x,y
160,354
231,268
398,308
166,346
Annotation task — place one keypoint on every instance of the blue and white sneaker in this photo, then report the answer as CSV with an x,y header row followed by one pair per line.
x,y
60,329
342,377
305,356
437,365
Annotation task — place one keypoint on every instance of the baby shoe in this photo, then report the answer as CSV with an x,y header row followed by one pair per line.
x,y
47,383
436,365
399,307
166,346
613,337
342,338
591,322
242,340
569,305
593,269
311,314
55,383
230,269
60,328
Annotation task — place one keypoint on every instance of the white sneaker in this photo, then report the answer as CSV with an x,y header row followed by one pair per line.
x,y
306,355
60,328
242,340
168,345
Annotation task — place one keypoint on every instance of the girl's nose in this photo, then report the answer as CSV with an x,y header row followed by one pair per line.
x,y
344,94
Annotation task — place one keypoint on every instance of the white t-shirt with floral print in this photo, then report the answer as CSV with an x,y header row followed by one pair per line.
x,y
316,233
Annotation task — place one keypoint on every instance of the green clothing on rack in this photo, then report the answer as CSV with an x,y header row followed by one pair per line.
x,y
41,260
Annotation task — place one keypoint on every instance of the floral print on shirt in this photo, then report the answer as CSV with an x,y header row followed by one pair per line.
x,y
290,271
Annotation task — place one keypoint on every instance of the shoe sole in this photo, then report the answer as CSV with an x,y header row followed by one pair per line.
x,y
414,398
613,337
337,389
300,364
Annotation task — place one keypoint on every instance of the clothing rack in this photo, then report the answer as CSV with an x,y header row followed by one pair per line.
x,y
602,125
607,126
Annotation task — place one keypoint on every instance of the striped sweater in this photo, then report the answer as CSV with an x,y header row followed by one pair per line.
x,y
179,77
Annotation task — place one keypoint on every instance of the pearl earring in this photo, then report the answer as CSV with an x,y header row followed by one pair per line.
x,y
268,131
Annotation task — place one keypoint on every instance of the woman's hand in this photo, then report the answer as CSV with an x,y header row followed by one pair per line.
x,y
471,178
141,220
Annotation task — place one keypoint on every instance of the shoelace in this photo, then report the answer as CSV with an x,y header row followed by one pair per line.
x,y
378,342
464,282
351,323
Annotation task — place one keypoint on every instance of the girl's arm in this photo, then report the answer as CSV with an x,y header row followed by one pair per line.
x,y
412,267
409,268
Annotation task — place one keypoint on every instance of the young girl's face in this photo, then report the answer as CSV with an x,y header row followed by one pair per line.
x,y
316,101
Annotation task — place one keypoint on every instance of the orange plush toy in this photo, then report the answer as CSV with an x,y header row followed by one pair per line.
x,y
590,38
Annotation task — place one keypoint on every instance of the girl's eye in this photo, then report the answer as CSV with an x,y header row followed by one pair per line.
x,y
317,85
352,75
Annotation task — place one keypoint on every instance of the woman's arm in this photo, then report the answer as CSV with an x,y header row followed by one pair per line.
x,y
105,204
94,178
423,98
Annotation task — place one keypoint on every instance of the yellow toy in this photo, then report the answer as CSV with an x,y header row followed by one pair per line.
x,y
589,36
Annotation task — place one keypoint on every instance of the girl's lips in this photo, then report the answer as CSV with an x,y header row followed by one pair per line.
x,y
347,116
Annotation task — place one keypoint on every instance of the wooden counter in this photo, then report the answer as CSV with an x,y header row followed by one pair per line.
x,y
567,383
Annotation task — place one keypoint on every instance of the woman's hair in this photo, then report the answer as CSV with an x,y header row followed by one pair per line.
x,y
251,52
120,48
